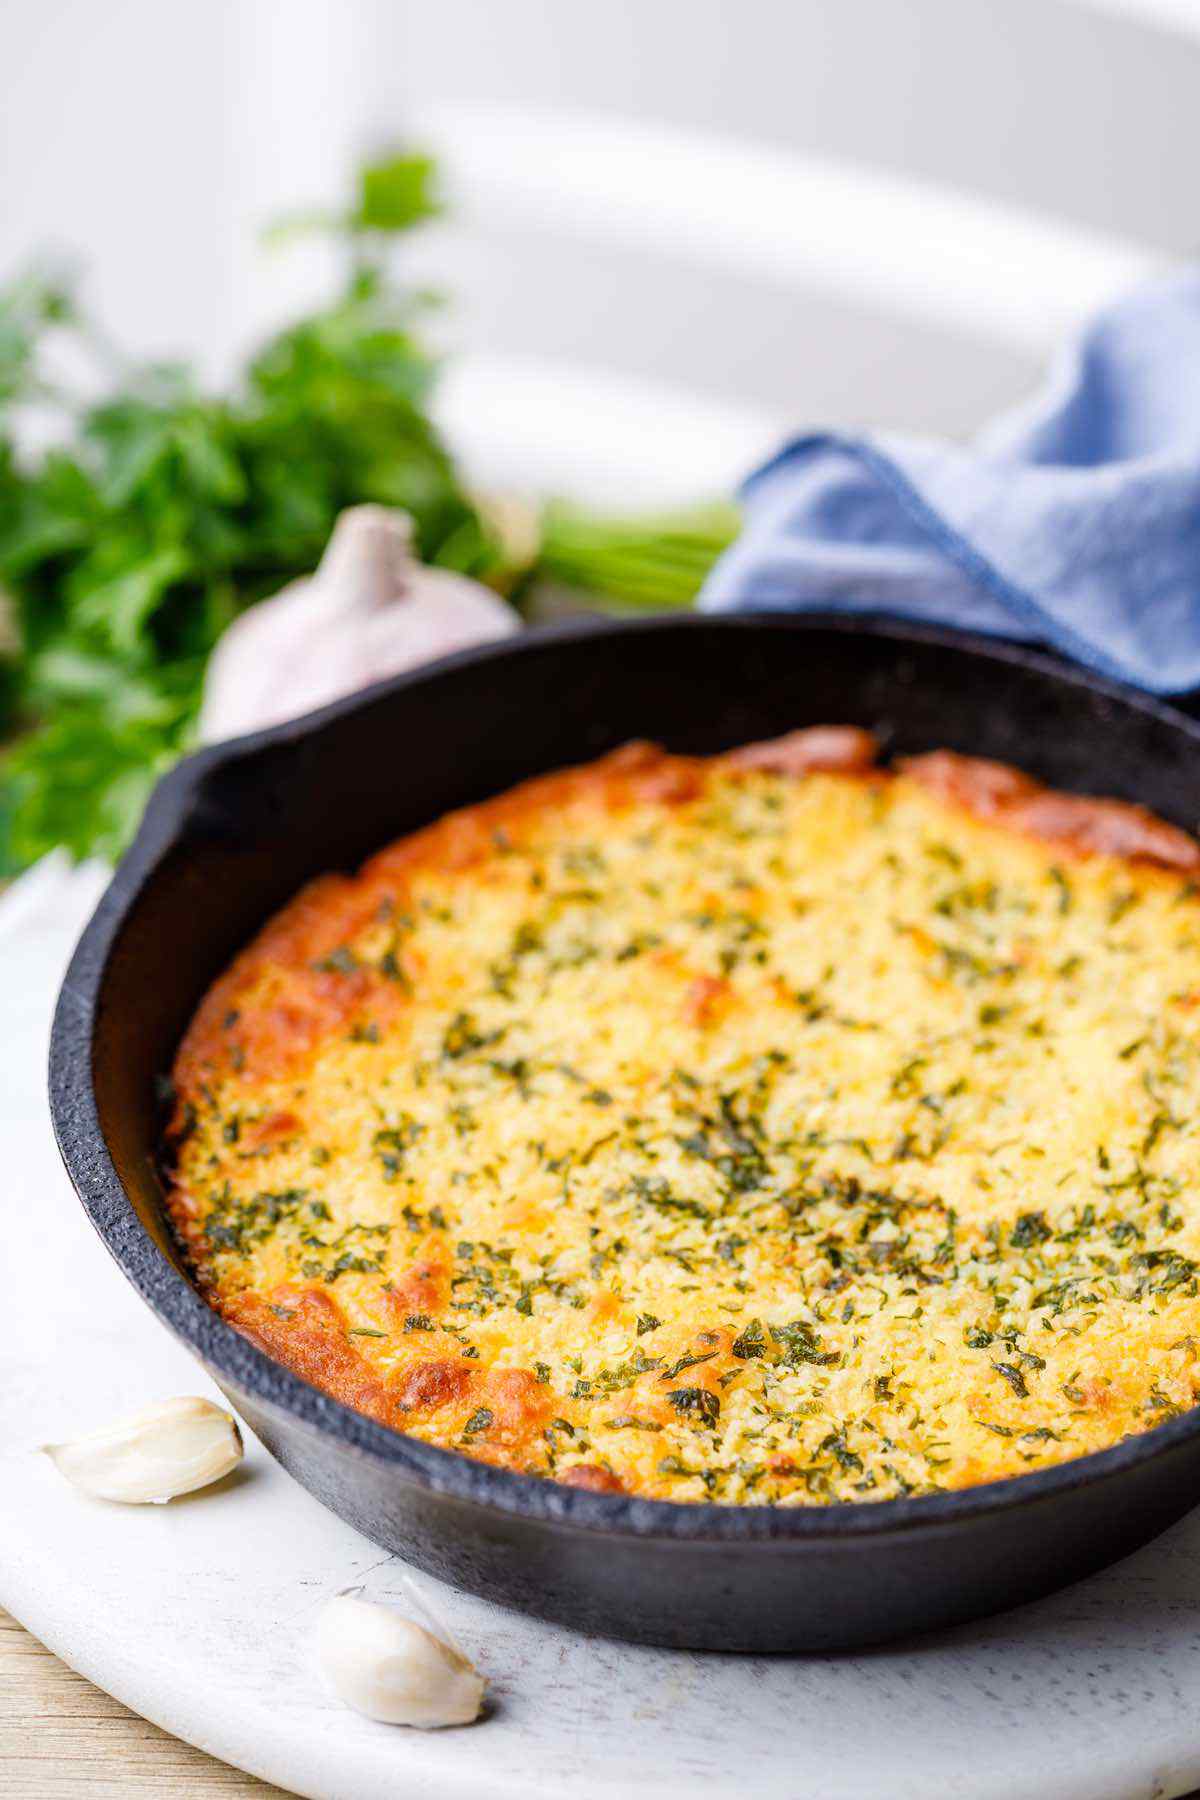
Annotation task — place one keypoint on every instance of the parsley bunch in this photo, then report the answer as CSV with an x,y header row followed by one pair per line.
x,y
159,511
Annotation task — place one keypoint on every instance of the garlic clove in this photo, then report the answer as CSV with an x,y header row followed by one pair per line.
x,y
169,1449
393,1670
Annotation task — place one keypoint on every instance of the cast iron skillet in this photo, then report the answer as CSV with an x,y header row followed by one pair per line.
x,y
233,832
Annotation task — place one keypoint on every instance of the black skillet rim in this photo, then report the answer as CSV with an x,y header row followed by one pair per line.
x,y
230,1357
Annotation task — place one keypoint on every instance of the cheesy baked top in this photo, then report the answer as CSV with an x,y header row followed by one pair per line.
x,y
760,1129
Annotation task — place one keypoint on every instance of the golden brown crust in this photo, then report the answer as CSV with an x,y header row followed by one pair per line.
x,y
1080,825
593,1479
297,987
832,749
424,1289
299,1000
305,1329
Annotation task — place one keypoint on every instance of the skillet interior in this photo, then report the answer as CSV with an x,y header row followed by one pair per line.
x,y
235,831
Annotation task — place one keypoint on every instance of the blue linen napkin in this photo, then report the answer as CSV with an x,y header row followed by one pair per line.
x,y
1074,521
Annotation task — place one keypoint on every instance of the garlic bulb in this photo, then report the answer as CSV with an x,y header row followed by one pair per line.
x,y
370,610
391,1669
169,1449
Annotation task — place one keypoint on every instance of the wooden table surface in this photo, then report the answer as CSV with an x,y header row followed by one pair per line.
x,y
61,1739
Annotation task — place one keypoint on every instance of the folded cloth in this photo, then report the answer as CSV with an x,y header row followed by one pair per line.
x,y
1074,521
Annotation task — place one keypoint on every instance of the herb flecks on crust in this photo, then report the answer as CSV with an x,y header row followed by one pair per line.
x,y
725,1130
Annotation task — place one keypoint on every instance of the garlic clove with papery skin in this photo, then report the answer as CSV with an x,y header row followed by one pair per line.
x,y
169,1449
370,610
392,1669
